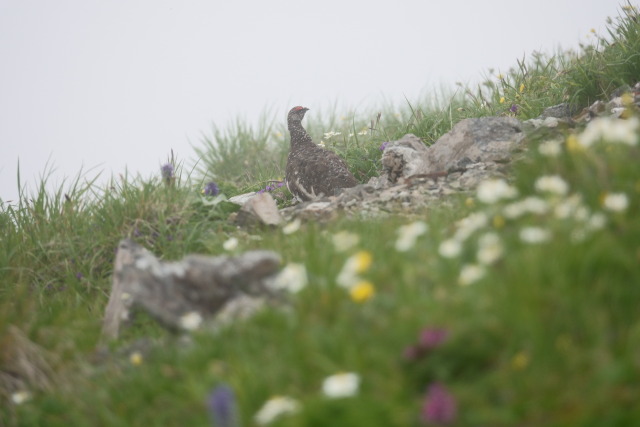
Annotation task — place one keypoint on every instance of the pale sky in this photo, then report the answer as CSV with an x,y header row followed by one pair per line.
x,y
111,85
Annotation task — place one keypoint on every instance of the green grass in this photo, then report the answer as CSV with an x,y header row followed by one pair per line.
x,y
548,335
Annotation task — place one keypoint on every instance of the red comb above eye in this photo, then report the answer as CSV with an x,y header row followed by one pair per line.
x,y
298,108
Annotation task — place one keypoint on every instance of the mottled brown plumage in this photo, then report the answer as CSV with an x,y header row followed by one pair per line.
x,y
312,171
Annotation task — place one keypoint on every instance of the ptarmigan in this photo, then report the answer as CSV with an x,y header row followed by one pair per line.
x,y
312,171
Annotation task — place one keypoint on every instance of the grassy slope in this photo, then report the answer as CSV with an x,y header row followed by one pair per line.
x,y
549,336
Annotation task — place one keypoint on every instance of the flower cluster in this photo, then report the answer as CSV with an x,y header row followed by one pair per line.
x,y
271,187
349,277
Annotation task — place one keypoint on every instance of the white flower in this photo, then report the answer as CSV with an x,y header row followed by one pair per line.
x,y
490,248
331,134
470,273
492,190
408,234
20,397
450,248
534,235
468,225
341,385
550,148
230,244
322,144
353,266
568,207
615,202
597,221
611,130
363,131
292,278
292,227
191,321
552,184
345,240
274,408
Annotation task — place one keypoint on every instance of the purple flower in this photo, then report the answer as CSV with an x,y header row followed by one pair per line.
x,y
167,172
222,407
514,108
211,189
79,276
439,405
280,184
431,338
384,145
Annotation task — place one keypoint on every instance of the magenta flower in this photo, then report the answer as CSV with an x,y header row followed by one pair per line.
x,y
439,407
431,338
384,145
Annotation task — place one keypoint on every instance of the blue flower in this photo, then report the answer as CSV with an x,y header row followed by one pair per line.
x,y
222,407
167,172
211,189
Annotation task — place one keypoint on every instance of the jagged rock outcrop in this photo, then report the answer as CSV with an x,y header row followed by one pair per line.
x,y
183,294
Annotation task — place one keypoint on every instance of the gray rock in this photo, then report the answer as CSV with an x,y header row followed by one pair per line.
x,y
403,158
560,111
260,209
487,139
182,294
241,199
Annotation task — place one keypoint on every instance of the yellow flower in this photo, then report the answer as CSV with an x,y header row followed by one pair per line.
x,y
520,361
362,261
498,221
500,76
136,358
573,144
502,100
362,291
521,87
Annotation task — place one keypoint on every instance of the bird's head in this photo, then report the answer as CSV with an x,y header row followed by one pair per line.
x,y
297,114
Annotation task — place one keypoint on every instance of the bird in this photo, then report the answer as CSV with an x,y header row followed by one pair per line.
x,y
312,171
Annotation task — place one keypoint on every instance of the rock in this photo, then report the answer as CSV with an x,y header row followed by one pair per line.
x,y
260,209
241,199
487,139
560,111
403,158
183,294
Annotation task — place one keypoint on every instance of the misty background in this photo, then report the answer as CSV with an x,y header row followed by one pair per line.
x,y
115,86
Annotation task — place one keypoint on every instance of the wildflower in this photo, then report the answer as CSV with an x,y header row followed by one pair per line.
x,y
364,131
514,108
573,144
167,172
553,184
362,291
20,397
490,249
470,273
568,207
408,234
550,148
190,321
230,244
492,190
274,408
534,235
79,275
222,407
431,338
292,227
450,248
468,225
596,221
439,406
322,144
355,264
211,189
135,358
611,130
341,385
615,202
383,146
292,278
500,76
531,204
520,361
345,240
521,88
331,134
502,100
